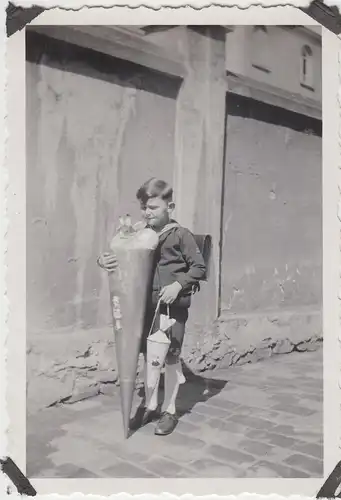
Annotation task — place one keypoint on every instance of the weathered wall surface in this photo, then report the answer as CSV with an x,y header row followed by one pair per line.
x,y
272,223
92,138
199,149
271,268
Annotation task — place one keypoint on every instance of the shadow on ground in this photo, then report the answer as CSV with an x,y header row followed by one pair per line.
x,y
197,389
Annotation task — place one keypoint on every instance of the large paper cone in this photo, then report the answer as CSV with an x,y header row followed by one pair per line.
x,y
128,293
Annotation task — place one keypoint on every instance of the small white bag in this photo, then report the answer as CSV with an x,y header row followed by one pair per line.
x,y
157,348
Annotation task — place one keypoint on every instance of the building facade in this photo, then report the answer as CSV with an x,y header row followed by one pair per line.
x,y
230,115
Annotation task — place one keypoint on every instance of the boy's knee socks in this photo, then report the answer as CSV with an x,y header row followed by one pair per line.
x,y
151,397
173,378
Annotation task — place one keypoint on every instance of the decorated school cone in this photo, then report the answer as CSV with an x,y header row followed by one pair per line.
x,y
128,293
157,348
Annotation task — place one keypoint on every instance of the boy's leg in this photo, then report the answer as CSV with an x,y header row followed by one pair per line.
x,y
145,414
151,396
173,378
173,374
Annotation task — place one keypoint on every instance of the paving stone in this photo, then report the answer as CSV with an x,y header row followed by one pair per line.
x,y
311,405
241,381
45,473
222,403
296,410
313,390
256,423
255,396
225,438
105,428
38,446
182,455
228,455
165,468
187,427
125,469
315,450
301,433
306,463
71,471
279,379
195,418
39,461
267,469
79,452
256,448
132,454
208,467
180,439
210,411
85,413
312,397
272,438
313,383
286,418
285,399
205,463
227,426
263,413
245,410
43,423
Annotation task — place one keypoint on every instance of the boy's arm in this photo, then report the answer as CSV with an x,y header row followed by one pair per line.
x,y
194,260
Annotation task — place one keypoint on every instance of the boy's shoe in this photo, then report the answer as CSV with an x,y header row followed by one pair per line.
x,y
142,417
166,424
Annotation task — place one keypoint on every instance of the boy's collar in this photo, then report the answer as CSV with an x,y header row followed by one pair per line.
x,y
172,224
142,225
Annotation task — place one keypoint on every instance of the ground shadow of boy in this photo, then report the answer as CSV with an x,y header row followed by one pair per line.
x,y
197,389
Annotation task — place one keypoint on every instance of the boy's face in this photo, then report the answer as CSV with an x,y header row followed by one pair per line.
x,y
157,212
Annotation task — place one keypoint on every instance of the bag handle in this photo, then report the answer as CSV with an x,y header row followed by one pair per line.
x,y
154,318
155,315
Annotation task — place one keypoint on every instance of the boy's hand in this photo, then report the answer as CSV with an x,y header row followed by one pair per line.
x,y
108,262
170,293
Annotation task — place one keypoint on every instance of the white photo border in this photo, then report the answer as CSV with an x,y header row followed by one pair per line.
x,y
16,250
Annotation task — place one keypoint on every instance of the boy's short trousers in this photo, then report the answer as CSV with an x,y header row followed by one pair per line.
x,y
176,333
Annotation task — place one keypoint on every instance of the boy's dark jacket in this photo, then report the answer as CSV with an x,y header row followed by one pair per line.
x,y
177,258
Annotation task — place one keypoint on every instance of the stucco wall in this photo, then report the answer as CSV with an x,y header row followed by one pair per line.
x,y
92,138
272,226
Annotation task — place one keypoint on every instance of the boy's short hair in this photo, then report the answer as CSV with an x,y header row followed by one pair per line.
x,y
154,188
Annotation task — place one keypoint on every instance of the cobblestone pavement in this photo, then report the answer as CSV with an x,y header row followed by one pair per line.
x,y
260,420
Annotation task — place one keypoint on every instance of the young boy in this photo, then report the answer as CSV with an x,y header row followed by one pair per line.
x,y
178,268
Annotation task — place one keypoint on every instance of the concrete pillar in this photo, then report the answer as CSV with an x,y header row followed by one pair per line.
x,y
200,128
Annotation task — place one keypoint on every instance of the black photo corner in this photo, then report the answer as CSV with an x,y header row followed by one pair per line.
x,y
15,475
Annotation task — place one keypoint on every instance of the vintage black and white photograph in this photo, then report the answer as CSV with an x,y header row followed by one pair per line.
x,y
174,251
